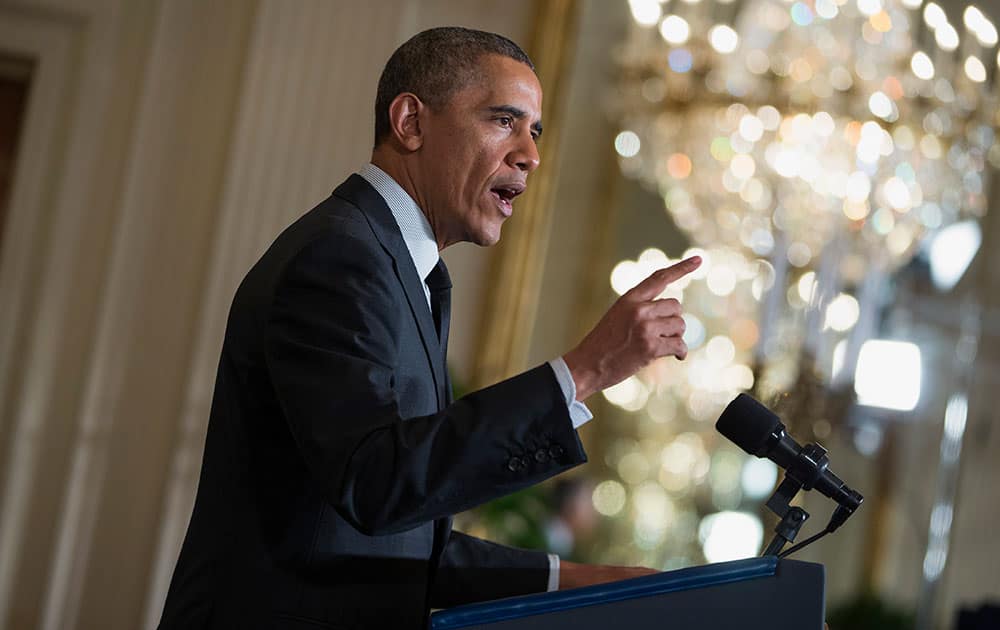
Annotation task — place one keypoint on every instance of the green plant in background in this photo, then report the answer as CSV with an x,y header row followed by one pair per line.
x,y
868,611
517,519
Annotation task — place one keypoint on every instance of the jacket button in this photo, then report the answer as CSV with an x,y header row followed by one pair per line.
x,y
514,464
556,451
541,456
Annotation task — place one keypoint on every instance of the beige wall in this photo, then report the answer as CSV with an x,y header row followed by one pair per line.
x,y
166,144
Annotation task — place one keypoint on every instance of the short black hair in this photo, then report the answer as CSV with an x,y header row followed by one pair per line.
x,y
435,63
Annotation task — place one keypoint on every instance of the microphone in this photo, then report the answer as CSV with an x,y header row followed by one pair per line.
x,y
758,431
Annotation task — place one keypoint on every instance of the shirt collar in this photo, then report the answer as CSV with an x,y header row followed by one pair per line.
x,y
413,225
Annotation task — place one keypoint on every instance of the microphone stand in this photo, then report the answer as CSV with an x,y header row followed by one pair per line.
x,y
792,518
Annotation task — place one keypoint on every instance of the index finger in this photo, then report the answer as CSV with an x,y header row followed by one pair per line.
x,y
657,281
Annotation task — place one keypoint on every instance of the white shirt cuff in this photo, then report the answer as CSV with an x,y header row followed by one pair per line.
x,y
553,572
578,411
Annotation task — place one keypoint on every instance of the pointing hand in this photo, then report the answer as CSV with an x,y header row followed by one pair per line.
x,y
637,329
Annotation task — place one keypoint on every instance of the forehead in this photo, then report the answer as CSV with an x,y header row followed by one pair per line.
x,y
503,81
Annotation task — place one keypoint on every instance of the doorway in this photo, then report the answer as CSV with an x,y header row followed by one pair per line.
x,y
15,82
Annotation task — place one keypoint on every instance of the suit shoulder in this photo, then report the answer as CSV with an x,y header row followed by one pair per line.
x,y
333,219
335,226
334,235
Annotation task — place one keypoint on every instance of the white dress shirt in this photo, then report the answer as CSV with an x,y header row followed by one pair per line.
x,y
420,242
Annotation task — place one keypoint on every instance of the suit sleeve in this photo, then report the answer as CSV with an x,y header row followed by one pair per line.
x,y
475,570
330,338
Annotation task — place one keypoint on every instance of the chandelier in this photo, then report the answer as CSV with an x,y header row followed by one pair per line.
x,y
819,140
771,125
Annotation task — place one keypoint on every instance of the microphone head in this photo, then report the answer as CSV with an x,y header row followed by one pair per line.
x,y
748,424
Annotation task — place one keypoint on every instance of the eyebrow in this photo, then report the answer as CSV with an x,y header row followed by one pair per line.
x,y
518,114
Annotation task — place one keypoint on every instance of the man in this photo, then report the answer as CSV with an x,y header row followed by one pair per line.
x,y
335,456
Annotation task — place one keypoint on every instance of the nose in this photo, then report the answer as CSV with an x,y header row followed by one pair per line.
x,y
524,155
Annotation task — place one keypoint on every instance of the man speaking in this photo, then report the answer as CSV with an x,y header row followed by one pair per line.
x,y
335,455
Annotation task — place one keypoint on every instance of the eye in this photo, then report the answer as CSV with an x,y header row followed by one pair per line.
x,y
506,121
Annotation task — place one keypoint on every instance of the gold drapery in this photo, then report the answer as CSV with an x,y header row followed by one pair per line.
x,y
515,276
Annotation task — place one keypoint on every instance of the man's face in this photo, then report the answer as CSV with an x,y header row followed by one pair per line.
x,y
478,150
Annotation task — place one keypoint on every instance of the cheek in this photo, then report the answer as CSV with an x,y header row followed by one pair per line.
x,y
482,168
467,162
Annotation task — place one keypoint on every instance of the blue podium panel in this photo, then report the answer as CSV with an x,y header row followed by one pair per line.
x,y
758,593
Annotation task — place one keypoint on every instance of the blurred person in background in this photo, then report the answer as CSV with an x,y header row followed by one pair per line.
x,y
573,519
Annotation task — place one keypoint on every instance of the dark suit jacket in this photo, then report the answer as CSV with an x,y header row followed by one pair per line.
x,y
335,456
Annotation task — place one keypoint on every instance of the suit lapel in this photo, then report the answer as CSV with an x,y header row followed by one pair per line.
x,y
360,193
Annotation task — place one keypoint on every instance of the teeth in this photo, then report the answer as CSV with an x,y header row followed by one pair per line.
x,y
505,194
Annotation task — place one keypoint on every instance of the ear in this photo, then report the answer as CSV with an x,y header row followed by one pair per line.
x,y
405,112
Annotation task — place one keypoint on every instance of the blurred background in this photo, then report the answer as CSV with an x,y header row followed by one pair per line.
x,y
830,159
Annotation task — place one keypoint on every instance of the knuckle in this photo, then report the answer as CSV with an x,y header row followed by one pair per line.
x,y
648,345
647,329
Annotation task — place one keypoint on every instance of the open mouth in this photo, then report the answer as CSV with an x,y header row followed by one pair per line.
x,y
504,196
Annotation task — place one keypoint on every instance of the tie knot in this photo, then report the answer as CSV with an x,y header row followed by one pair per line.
x,y
438,279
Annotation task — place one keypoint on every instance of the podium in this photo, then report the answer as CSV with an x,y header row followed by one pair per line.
x,y
752,594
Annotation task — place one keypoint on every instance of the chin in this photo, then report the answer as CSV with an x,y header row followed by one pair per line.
x,y
486,240
487,236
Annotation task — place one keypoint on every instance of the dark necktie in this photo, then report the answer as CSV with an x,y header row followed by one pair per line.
x,y
439,283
